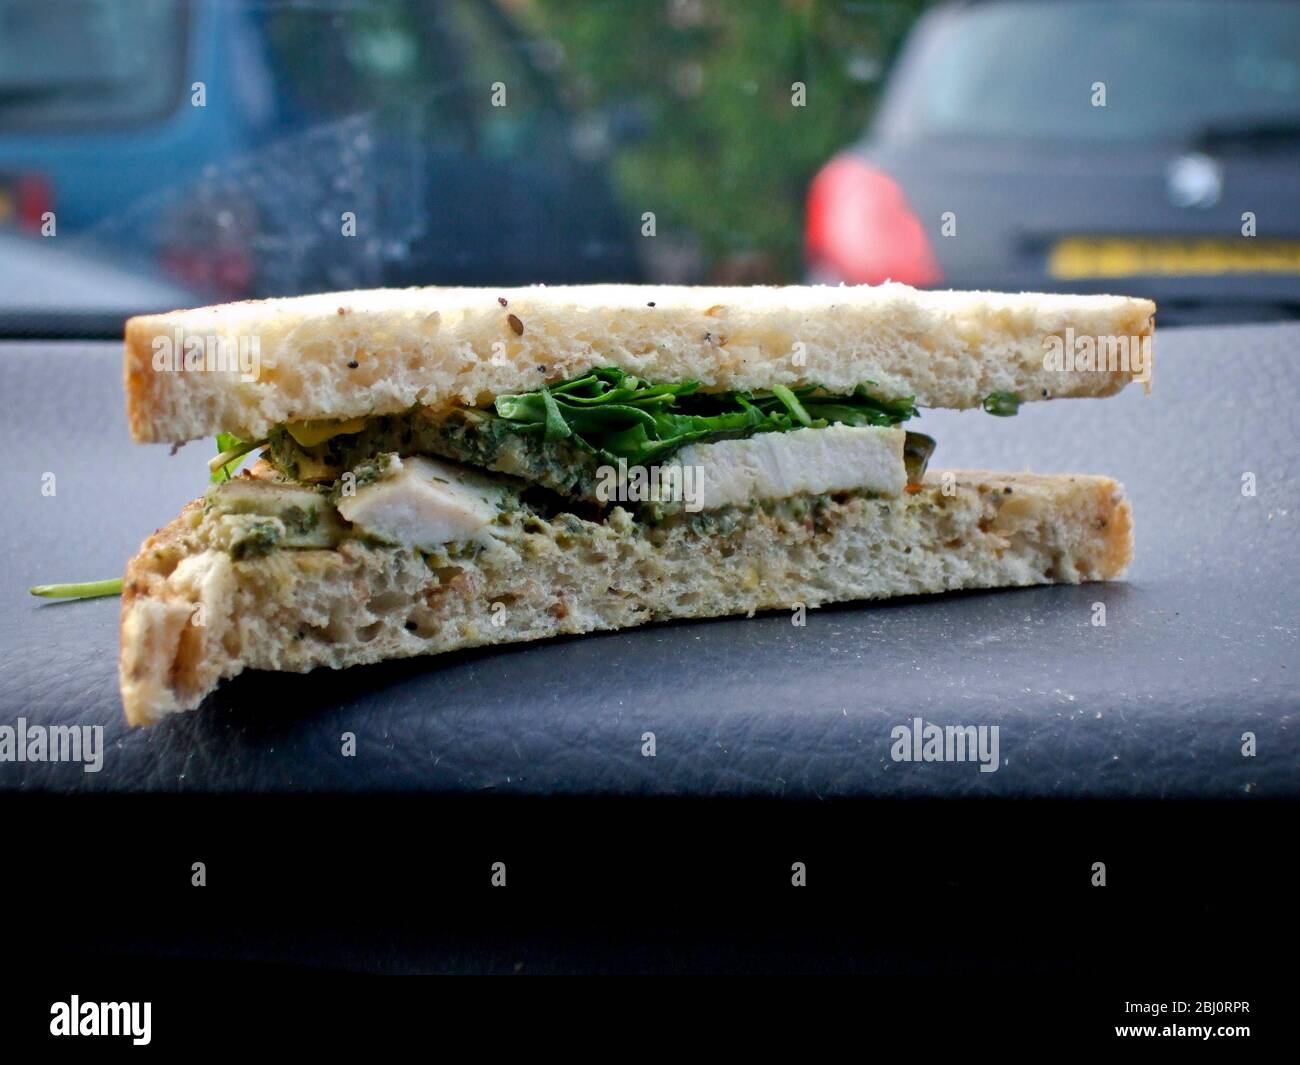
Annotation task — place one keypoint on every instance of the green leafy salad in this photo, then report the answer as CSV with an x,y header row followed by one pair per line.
x,y
618,416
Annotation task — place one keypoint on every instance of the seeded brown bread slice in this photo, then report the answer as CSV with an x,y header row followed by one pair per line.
x,y
350,354
299,609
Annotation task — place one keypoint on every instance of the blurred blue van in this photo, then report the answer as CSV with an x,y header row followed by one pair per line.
x,y
226,144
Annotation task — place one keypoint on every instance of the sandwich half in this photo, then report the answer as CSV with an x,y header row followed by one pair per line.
x,y
447,468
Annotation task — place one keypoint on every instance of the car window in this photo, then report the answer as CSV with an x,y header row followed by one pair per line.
x,y
89,61
1170,70
234,149
435,60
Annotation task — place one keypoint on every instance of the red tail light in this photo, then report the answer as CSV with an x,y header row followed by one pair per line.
x,y
861,229
225,272
34,198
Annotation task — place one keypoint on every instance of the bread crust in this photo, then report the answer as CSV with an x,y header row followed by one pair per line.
x,y
352,354
192,617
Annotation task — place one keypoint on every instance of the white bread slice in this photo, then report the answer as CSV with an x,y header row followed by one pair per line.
x,y
299,609
350,354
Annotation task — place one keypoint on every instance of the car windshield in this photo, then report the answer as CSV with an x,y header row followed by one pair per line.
x,y
160,153
77,62
1171,70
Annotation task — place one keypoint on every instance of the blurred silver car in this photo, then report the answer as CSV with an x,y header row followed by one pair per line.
x,y
1149,146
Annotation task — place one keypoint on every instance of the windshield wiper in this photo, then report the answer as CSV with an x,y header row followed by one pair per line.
x,y
1263,134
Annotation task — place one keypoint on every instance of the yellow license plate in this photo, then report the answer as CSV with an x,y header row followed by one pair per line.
x,y
1077,257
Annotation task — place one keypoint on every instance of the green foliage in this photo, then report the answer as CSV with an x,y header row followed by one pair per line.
x,y
728,157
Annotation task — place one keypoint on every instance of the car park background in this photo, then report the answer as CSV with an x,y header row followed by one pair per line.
x,y
950,145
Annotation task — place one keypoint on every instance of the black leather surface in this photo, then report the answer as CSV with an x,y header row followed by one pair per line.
x,y
1199,646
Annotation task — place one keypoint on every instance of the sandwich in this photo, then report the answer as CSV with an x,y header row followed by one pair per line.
x,y
444,468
